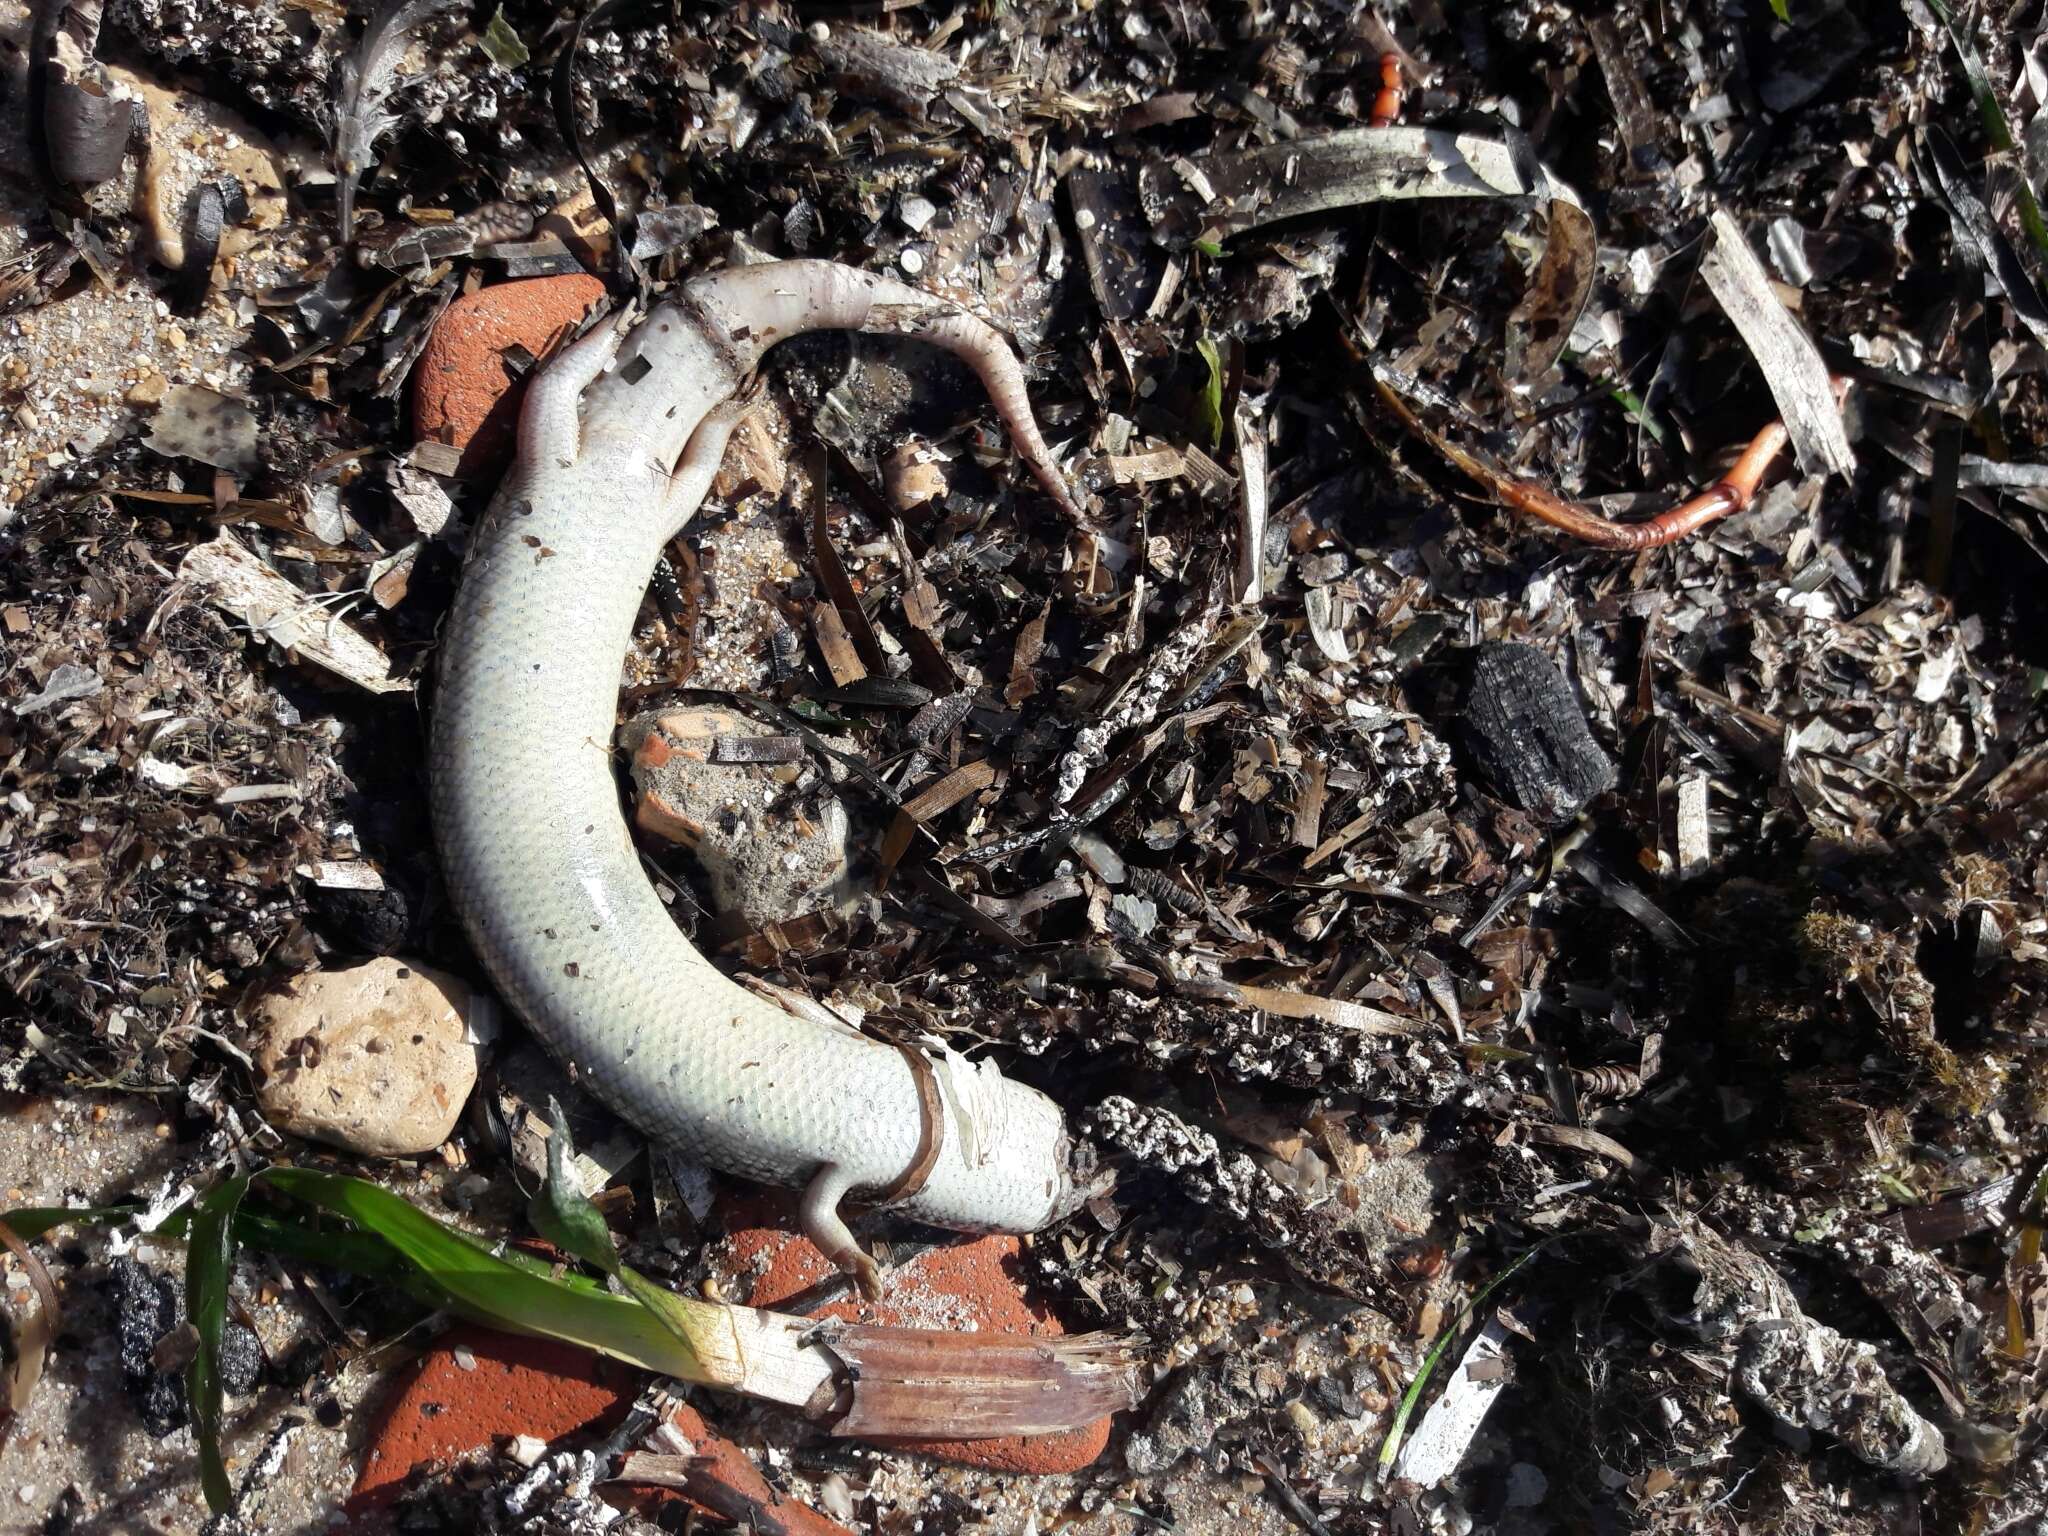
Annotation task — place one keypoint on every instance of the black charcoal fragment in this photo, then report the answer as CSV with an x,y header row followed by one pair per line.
x,y
79,130
1523,725
150,1306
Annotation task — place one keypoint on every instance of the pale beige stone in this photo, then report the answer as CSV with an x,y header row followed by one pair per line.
x,y
770,857
377,1059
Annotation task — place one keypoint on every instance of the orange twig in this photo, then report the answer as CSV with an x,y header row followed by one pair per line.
x,y
1386,107
1726,496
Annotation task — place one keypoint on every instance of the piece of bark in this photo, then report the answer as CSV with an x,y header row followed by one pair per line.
x,y
236,578
1792,366
1523,725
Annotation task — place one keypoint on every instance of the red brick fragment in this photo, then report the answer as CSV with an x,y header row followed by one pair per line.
x,y
477,1387
462,392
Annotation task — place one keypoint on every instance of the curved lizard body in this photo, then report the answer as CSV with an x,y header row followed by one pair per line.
x,y
526,807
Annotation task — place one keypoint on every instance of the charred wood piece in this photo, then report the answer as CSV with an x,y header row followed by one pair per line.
x,y
79,130
1525,729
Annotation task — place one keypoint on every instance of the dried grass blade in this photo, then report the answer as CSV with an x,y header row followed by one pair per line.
x,y
839,586
1252,504
32,1342
1209,197
1327,1010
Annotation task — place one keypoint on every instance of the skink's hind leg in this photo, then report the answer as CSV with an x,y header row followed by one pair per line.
x,y
550,430
818,1214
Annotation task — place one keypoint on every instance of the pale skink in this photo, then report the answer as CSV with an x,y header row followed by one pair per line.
x,y
618,443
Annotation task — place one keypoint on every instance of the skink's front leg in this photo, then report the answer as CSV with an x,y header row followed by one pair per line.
x,y
550,427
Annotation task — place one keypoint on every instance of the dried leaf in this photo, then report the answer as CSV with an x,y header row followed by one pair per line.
x,y
1541,325
198,423
502,42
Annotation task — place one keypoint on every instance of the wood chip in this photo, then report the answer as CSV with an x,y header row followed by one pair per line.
x,y
1145,468
1024,658
934,799
1209,477
335,875
1308,809
436,458
1343,837
236,579
1251,504
1695,844
921,604
841,659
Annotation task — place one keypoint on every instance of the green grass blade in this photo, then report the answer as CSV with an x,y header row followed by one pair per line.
x,y
209,1257
1391,1446
1996,128
1638,411
1209,408
495,1289
384,1238
564,1215
561,1212
1981,90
